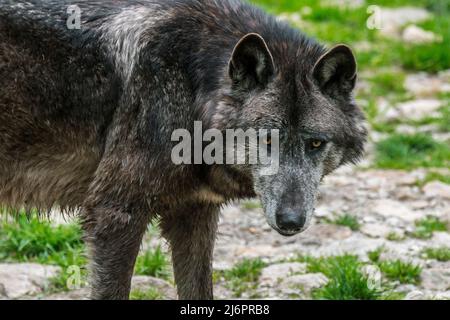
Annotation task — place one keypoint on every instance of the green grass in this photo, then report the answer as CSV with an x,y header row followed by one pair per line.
x,y
432,57
150,294
394,236
411,151
429,4
387,82
434,176
375,255
154,263
334,24
346,281
440,254
247,270
33,240
444,120
243,276
347,220
404,272
425,227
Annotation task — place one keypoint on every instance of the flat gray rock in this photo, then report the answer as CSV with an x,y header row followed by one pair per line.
x,y
17,280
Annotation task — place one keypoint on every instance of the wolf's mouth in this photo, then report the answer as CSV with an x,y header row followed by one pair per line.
x,y
290,233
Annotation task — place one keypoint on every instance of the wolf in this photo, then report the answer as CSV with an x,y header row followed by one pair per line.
x,y
87,114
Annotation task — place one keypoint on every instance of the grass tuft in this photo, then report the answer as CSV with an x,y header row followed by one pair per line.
x,y
150,294
346,281
425,227
154,263
394,236
440,254
375,255
404,272
347,220
244,275
28,239
411,151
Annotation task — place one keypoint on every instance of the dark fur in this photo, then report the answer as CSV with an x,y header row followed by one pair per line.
x,y
78,131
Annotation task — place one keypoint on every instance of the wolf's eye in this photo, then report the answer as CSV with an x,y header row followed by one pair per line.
x,y
267,140
316,144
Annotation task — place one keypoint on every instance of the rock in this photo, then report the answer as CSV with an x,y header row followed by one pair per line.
x,y
441,296
80,294
251,252
357,245
437,189
375,230
425,85
442,136
306,282
144,283
391,208
140,283
413,110
416,35
393,19
2,291
409,129
415,295
441,239
324,212
352,4
329,231
420,204
222,265
272,274
18,280
405,193
436,279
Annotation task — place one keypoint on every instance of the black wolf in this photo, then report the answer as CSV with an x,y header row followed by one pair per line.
x,y
87,114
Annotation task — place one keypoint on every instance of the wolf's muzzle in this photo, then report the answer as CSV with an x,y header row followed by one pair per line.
x,y
290,221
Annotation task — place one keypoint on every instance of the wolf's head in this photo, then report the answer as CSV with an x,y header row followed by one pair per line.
x,y
310,102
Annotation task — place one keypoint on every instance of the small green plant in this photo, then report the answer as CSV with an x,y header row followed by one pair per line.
x,y
150,294
347,220
385,83
346,280
404,272
153,262
247,270
441,254
434,176
243,276
375,255
394,236
30,239
426,227
411,151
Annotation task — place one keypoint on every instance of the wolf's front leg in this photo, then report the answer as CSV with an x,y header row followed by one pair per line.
x,y
114,235
191,233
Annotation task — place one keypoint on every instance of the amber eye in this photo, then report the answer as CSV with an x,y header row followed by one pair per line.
x,y
267,140
316,144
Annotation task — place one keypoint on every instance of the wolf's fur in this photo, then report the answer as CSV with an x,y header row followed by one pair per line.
x,y
86,118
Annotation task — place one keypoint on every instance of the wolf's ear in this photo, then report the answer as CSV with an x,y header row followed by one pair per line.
x,y
336,69
251,64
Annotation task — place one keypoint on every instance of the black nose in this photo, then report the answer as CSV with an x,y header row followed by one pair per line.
x,y
291,220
